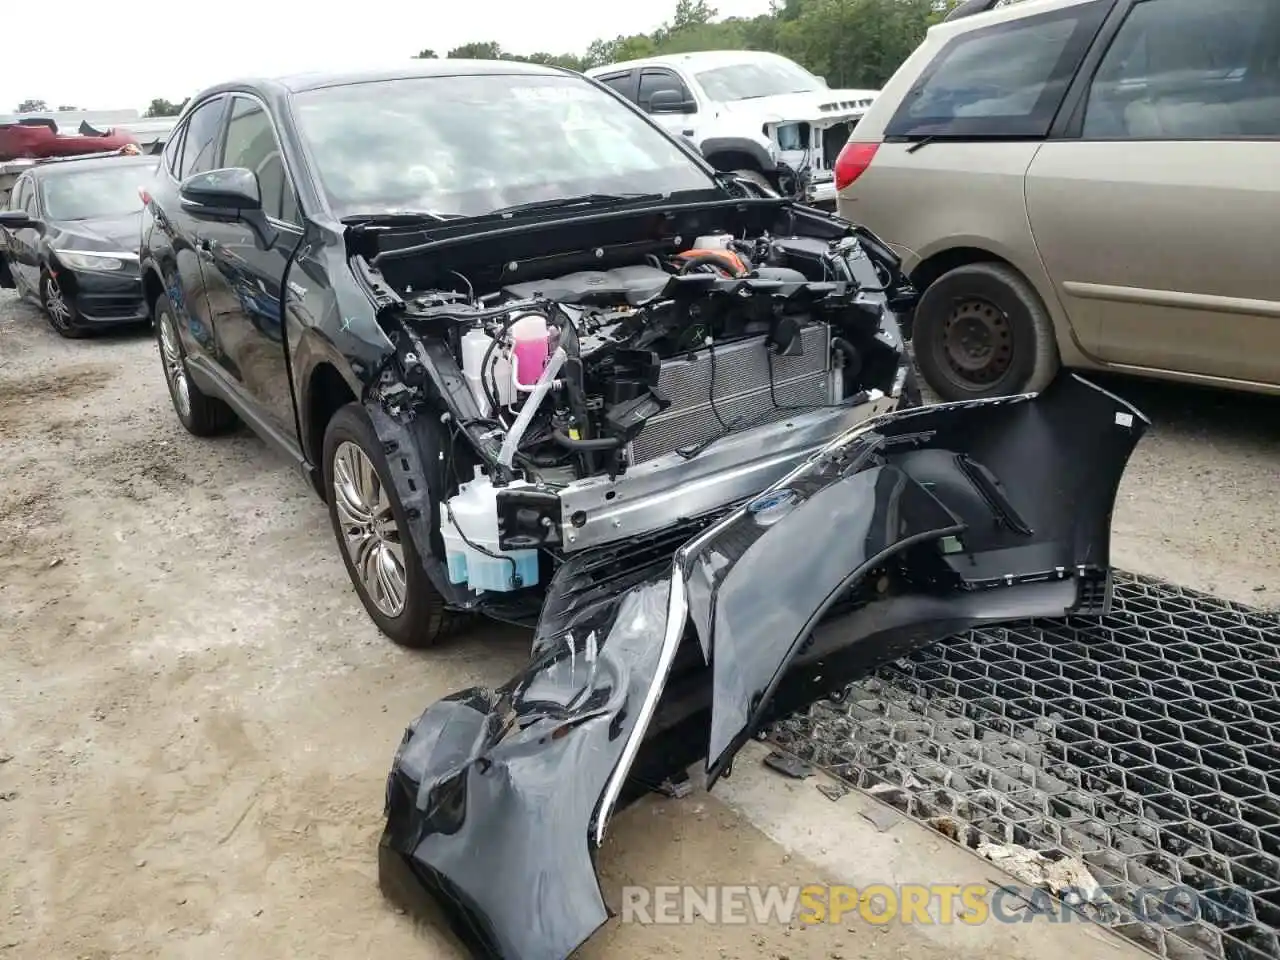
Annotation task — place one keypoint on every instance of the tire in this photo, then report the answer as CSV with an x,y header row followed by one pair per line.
x,y
757,178
201,414
58,308
981,331
420,619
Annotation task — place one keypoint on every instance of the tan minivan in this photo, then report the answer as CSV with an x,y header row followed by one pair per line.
x,y
1088,183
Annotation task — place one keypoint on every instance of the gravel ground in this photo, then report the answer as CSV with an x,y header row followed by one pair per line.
x,y
196,716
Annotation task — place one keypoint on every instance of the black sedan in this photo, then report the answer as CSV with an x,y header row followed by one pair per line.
x,y
70,239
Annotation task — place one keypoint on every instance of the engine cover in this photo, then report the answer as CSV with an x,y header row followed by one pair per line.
x,y
738,394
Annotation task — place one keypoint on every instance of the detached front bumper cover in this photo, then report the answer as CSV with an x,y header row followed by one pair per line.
x,y
649,657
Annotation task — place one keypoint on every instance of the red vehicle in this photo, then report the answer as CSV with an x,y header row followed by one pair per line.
x,y
38,138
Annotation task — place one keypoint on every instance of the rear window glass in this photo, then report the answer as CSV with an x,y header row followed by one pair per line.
x,y
1005,80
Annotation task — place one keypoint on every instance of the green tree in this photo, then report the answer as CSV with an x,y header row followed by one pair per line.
x,y
476,51
425,55
853,43
161,107
33,106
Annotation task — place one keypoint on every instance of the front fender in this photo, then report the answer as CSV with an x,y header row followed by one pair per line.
x,y
755,148
656,653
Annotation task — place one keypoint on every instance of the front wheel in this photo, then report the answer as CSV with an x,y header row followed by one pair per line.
x,y
982,331
374,537
59,307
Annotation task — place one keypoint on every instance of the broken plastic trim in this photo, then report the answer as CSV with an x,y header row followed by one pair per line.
x,y
497,798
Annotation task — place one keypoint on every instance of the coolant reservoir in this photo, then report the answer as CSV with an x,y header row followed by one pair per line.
x,y
475,347
469,529
530,351
714,241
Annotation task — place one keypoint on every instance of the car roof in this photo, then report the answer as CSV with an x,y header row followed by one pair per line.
x,y
410,70
43,169
1008,10
693,61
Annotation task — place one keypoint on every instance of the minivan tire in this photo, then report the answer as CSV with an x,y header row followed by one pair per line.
x,y
423,620
981,331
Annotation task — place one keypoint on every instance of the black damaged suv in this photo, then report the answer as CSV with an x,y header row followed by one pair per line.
x,y
356,265
543,363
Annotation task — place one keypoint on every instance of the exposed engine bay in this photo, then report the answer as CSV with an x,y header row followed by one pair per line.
x,y
612,400
674,433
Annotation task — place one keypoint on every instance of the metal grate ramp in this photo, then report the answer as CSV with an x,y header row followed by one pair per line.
x,y
1146,744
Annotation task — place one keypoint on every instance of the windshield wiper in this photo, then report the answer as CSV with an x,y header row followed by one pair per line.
x,y
920,144
400,217
585,200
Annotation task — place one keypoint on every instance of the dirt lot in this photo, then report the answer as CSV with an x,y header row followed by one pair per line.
x,y
196,716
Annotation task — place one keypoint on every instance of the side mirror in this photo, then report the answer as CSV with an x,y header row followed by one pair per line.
x,y
670,101
17,220
221,194
226,196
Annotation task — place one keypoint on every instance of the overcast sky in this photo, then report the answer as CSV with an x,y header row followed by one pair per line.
x,y
109,56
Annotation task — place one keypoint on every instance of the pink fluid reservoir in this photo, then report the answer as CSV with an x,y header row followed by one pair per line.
x,y
530,336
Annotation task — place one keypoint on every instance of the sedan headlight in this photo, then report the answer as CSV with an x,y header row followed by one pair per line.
x,y
95,262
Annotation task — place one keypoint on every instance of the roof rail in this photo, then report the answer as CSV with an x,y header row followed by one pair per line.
x,y
83,156
969,7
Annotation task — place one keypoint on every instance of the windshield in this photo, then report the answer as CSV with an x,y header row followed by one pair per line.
x,y
469,145
95,194
758,78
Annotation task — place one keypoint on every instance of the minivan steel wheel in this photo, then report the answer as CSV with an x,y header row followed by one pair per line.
x,y
981,330
370,535
978,339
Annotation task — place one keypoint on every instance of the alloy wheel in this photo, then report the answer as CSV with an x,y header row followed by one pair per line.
x,y
55,304
370,535
175,372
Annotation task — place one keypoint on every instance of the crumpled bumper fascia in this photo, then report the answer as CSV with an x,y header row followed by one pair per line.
x,y
498,799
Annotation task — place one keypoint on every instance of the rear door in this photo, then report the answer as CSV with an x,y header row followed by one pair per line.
x,y
968,114
1156,206
243,279
623,82
200,145
23,244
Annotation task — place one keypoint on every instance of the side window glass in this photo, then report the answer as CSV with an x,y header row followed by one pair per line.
x,y
19,195
1005,80
1181,70
251,143
29,198
173,150
199,148
651,81
621,83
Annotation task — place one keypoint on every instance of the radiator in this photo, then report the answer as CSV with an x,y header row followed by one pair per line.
x,y
740,389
